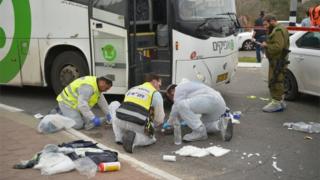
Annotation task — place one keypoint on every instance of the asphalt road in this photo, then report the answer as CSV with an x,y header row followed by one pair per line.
x,y
258,132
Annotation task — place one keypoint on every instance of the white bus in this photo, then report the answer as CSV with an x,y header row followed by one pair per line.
x,y
52,42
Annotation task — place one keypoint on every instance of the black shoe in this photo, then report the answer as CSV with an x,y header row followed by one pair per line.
x,y
119,142
127,140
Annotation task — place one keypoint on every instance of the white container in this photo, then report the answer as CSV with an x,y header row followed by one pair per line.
x,y
169,158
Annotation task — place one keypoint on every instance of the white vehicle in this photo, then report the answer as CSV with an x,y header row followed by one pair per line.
x,y
245,41
303,73
52,42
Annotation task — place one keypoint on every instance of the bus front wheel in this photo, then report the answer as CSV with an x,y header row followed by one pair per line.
x,y
67,66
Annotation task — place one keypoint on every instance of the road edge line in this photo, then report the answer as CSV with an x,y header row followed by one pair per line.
x,y
10,108
158,173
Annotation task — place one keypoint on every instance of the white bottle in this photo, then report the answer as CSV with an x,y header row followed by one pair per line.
x,y
177,132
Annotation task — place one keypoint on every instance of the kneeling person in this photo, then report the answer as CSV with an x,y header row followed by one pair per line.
x,y
77,99
192,99
133,124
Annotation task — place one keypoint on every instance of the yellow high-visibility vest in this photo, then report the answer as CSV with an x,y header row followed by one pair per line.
x,y
137,103
141,95
69,95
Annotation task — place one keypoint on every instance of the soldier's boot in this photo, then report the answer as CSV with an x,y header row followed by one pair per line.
x,y
197,134
274,106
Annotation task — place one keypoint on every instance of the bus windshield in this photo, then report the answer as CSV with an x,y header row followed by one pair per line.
x,y
191,10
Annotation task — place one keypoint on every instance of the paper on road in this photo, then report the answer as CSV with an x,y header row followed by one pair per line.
x,y
201,152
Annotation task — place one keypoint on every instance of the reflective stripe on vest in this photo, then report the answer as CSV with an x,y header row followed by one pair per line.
x,y
137,103
69,95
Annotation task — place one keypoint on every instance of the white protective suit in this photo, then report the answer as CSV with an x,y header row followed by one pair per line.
x,y
120,126
192,99
84,114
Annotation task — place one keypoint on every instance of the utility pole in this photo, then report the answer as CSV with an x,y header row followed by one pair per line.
x,y
293,12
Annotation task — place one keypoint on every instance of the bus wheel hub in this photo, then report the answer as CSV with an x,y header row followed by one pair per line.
x,y
67,74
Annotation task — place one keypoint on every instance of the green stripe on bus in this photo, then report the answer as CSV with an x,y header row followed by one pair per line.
x,y
9,65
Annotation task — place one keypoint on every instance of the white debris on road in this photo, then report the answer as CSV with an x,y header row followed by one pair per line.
x,y
38,116
249,155
274,164
217,151
192,151
201,152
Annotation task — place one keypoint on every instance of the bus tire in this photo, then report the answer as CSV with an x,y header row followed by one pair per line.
x,y
290,86
66,67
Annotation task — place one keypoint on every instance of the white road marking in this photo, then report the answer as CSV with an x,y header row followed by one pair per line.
x,y
10,108
250,65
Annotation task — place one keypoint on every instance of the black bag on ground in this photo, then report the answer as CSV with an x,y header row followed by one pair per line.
x,y
105,156
79,144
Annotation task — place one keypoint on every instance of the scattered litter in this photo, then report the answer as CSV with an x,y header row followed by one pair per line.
x,y
192,151
257,154
53,159
274,164
53,163
242,157
249,163
311,127
201,152
264,99
109,166
252,97
169,158
38,116
54,122
244,153
235,117
249,155
85,166
308,137
235,121
274,157
260,162
217,151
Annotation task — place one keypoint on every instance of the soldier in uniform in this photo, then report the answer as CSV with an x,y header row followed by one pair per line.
x,y
276,45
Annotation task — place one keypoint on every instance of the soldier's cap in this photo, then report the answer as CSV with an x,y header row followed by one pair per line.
x,y
269,17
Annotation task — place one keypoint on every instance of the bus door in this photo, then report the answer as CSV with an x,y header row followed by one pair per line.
x,y
109,42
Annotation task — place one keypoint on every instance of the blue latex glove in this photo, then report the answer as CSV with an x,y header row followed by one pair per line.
x,y
183,123
108,118
96,121
166,125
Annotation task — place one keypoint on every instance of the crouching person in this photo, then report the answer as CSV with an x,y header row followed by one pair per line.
x,y
77,99
192,99
141,110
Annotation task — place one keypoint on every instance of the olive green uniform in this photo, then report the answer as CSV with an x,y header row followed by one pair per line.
x,y
277,40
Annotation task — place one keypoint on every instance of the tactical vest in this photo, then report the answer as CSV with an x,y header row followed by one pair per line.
x,y
69,95
137,103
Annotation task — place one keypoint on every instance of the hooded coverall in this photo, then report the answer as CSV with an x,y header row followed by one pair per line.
x,y
194,98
